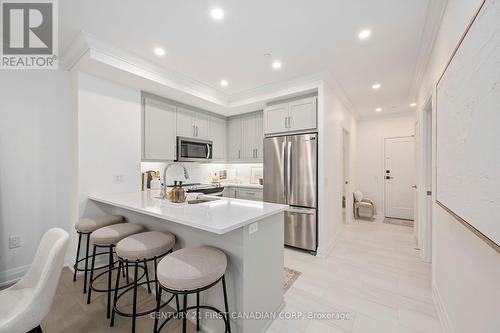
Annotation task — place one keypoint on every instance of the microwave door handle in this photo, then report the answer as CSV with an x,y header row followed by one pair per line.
x,y
208,151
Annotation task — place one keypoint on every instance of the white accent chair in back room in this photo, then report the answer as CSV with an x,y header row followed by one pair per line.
x,y
24,305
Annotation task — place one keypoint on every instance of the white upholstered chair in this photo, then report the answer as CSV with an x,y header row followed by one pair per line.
x,y
24,305
363,207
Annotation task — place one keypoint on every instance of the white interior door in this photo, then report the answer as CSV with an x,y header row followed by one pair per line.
x,y
399,177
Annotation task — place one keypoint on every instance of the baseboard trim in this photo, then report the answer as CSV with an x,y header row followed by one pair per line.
x,y
13,275
441,311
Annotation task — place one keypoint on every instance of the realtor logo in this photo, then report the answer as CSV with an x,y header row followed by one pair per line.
x,y
29,34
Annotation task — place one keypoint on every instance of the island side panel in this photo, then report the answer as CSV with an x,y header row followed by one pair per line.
x,y
263,269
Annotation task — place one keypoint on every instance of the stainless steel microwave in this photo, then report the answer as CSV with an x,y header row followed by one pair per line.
x,y
193,150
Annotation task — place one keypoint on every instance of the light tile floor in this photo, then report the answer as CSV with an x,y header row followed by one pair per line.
x,y
373,273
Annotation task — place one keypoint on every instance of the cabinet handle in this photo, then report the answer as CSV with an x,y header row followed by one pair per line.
x,y
194,130
286,122
239,154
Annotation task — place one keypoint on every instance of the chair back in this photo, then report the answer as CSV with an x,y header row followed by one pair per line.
x,y
40,282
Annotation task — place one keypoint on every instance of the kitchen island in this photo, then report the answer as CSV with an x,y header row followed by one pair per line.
x,y
249,232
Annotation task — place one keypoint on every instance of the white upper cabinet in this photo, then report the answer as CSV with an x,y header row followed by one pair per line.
x,y
159,138
234,139
245,138
302,114
298,115
276,118
218,135
192,124
185,123
202,125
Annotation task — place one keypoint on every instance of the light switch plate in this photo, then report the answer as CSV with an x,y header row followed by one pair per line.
x,y
254,227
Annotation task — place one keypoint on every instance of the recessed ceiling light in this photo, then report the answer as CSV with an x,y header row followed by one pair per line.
x,y
378,109
277,64
217,14
376,86
364,34
413,105
224,83
159,51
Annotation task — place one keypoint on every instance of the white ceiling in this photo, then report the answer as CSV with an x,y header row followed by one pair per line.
x,y
307,36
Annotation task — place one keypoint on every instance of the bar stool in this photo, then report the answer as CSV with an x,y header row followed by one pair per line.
x,y
84,227
191,271
133,250
108,237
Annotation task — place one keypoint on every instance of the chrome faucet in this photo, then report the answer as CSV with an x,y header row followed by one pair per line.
x,y
164,189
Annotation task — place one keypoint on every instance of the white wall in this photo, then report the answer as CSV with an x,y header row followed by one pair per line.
x,y
109,141
333,117
370,151
35,131
465,270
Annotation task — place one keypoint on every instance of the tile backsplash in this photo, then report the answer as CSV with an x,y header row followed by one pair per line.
x,y
202,172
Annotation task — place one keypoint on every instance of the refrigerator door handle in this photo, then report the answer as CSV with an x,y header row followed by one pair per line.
x,y
285,190
289,169
307,211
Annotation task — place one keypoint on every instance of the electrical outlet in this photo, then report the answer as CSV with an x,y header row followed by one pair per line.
x,y
14,241
254,227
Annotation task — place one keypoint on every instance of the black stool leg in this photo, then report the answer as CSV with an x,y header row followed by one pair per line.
x,y
147,276
86,264
225,304
134,306
75,266
126,268
184,316
157,315
177,303
110,272
120,267
156,278
197,311
91,274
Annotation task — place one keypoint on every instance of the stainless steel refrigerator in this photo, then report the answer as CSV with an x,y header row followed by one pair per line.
x,y
291,177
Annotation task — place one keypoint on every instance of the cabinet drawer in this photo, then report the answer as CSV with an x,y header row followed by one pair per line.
x,y
250,194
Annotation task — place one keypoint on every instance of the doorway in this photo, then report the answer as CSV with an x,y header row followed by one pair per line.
x,y
399,177
346,186
425,180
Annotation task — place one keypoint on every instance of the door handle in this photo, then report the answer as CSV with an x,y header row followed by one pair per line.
x,y
388,177
285,171
414,186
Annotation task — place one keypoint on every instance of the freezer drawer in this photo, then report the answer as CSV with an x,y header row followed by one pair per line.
x,y
300,228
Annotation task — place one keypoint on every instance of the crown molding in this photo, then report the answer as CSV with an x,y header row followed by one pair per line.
x,y
89,54
432,24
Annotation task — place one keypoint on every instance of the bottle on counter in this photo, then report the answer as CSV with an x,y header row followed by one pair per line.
x,y
181,193
155,182
173,191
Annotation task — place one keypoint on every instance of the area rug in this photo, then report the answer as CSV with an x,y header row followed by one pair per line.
x,y
406,223
289,277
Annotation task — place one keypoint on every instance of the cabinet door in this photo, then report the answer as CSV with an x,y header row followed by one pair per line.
x,y
303,114
234,139
248,137
218,136
275,117
202,126
259,137
159,130
185,123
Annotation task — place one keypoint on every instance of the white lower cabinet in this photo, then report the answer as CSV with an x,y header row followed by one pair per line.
x,y
254,194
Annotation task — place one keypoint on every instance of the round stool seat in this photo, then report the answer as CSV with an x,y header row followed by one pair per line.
x,y
192,268
114,233
87,225
145,245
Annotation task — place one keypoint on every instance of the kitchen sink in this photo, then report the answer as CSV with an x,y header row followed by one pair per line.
x,y
202,200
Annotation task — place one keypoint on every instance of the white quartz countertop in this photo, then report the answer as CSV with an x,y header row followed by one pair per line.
x,y
219,216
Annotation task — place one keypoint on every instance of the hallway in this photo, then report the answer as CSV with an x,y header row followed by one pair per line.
x,y
374,274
